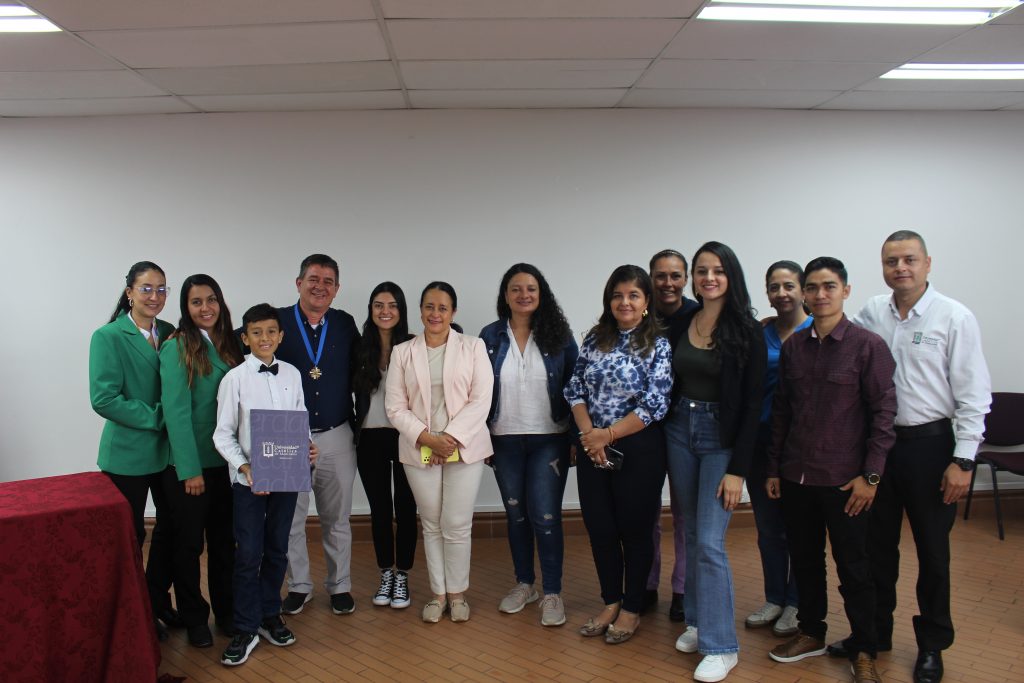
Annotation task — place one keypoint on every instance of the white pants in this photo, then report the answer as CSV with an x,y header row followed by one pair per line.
x,y
446,497
332,487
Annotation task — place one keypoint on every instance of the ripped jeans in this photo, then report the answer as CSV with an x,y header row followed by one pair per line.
x,y
531,470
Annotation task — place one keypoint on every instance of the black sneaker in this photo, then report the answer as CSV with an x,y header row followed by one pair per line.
x,y
276,633
342,603
239,648
294,602
400,595
387,585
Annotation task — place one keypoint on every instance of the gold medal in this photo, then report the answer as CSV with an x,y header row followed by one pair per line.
x,y
315,373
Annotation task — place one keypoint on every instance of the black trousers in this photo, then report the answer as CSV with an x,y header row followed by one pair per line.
x,y
377,461
913,474
136,489
619,510
194,517
810,511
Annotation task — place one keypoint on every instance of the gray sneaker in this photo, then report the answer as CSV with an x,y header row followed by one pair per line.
x,y
518,598
787,625
765,616
552,610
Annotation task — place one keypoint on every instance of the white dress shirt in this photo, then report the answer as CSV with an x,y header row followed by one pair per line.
x,y
940,367
524,406
243,389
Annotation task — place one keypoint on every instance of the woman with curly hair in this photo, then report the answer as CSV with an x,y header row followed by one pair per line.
x,y
533,354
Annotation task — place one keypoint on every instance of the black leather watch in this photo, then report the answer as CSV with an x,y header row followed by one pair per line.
x,y
966,464
872,478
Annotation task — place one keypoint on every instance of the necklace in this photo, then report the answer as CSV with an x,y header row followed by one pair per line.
x,y
696,324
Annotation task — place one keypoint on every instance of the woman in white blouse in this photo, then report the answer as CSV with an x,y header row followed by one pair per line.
x,y
438,395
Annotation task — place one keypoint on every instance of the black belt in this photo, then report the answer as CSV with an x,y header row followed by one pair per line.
x,y
321,430
937,428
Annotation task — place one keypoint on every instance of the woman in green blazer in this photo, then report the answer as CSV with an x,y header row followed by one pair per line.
x,y
124,388
192,364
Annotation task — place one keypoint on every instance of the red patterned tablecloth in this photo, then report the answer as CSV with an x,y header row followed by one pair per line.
x,y
73,600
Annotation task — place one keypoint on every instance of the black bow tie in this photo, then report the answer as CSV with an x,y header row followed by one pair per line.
x,y
272,369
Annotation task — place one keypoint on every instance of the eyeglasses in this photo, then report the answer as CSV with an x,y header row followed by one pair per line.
x,y
146,290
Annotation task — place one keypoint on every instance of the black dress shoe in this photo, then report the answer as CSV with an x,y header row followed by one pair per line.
x,y
170,617
675,610
838,648
928,668
200,636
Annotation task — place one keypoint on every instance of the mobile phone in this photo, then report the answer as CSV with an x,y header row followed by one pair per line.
x,y
614,456
426,452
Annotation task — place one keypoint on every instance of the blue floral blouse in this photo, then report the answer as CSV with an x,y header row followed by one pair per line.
x,y
612,384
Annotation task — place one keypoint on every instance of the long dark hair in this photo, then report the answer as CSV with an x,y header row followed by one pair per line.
x,y
366,378
191,347
548,324
606,331
123,304
736,323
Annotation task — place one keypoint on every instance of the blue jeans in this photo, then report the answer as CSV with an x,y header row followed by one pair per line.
x,y
261,554
531,470
779,579
696,463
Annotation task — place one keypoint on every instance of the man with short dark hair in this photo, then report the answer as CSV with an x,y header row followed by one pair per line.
x,y
319,341
832,427
941,378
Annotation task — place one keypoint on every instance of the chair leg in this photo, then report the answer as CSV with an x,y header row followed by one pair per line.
x,y
995,497
970,493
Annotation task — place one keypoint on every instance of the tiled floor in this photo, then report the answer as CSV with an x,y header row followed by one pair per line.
x,y
381,644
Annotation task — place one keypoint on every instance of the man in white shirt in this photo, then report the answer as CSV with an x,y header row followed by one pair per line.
x,y
943,393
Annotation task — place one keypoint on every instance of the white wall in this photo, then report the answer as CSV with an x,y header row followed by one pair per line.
x,y
421,195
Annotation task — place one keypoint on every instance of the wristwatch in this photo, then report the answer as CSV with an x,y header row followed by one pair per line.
x,y
966,464
872,478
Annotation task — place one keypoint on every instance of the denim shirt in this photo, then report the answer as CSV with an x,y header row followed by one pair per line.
x,y
559,367
618,382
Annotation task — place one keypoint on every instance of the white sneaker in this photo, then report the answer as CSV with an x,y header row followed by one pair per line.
x,y
787,625
521,595
768,613
715,667
688,641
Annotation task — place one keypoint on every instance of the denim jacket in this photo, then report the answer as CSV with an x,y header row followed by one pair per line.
x,y
559,367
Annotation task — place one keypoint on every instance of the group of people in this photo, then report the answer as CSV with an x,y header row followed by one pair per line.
x,y
815,413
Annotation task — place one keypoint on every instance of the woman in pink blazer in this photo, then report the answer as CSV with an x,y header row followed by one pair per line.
x,y
438,396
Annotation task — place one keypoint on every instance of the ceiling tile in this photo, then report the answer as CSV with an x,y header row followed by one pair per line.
x,y
996,44
514,99
498,9
49,51
110,106
275,78
81,15
73,84
805,42
1015,16
1018,105
531,39
755,75
291,44
922,100
391,99
748,99
550,73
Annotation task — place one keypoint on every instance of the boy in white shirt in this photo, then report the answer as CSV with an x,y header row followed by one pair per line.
x,y
261,519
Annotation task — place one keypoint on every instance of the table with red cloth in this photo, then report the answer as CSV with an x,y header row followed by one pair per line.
x,y
73,594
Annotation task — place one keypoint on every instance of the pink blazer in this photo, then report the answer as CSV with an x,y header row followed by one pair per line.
x,y
468,381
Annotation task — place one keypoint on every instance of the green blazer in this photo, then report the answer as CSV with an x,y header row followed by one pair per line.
x,y
190,414
124,388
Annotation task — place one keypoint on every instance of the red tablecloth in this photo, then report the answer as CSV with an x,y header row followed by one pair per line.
x,y
73,599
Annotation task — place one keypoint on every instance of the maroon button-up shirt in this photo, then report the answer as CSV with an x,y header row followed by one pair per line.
x,y
834,408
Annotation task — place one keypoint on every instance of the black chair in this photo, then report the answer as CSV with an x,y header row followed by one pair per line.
x,y
1004,426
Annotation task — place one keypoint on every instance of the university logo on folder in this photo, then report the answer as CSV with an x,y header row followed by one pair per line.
x,y
279,450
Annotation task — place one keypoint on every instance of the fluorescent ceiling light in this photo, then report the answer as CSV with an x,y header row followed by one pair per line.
x,y
958,72
927,12
19,19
